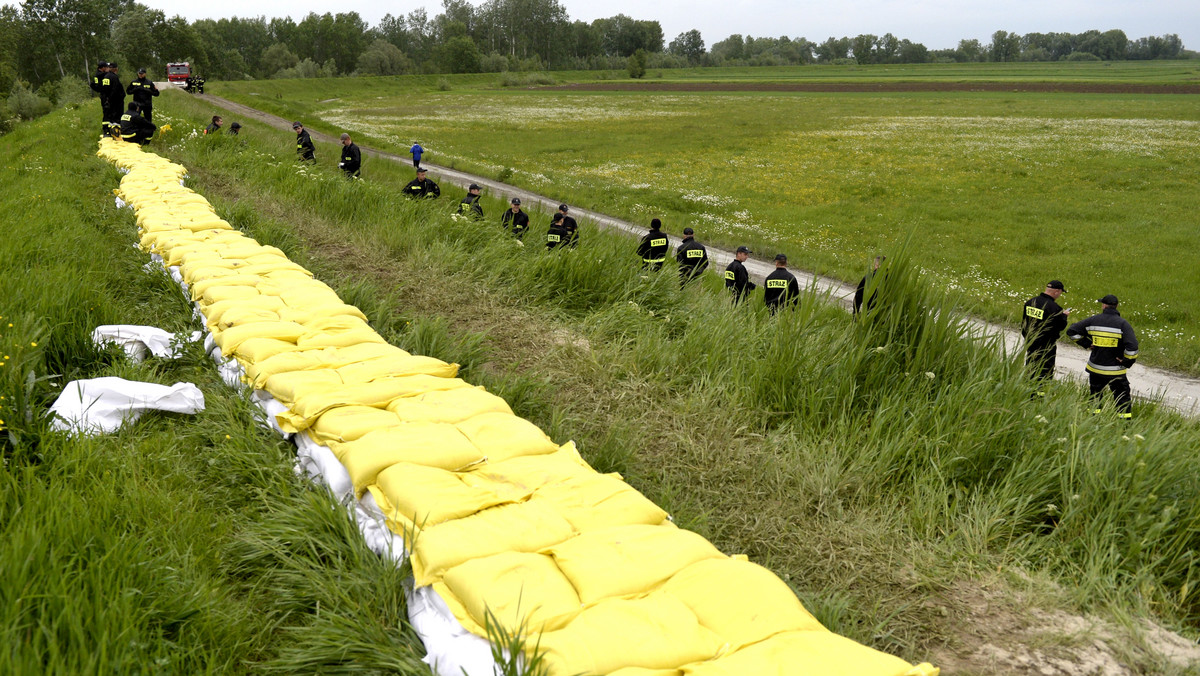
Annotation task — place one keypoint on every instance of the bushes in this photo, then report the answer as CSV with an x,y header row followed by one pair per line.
x,y
636,65
25,104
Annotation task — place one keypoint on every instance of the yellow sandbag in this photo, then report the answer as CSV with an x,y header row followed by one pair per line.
x,y
378,394
518,527
348,423
237,279
428,496
241,316
653,632
502,436
531,473
327,357
596,501
739,601
451,406
217,294
516,587
287,387
311,294
307,315
229,339
397,365
638,671
628,559
258,349
813,652
338,332
215,312
428,444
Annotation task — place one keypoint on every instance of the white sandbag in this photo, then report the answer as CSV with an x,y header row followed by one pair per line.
x,y
449,649
102,405
139,341
320,463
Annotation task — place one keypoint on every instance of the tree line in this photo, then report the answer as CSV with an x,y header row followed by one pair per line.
x,y
45,42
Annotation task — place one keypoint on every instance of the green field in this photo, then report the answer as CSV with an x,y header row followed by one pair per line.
x,y
999,191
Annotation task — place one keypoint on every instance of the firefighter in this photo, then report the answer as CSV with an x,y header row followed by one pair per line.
x,y
1041,324
100,74
691,256
1114,349
861,291
134,127
782,289
514,220
214,126
143,91
558,234
470,204
422,187
112,98
653,247
570,226
305,150
737,279
235,128
351,158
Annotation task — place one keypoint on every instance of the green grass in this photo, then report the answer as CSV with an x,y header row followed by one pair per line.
x,y
1000,191
180,544
879,466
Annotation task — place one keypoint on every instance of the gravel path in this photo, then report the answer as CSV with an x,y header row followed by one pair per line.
x,y
1176,391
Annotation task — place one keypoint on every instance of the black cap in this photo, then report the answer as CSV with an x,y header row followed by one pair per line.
x,y
102,64
516,201
112,64
1109,300
655,224
1055,284
563,207
474,187
780,258
141,71
296,124
420,170
744,249
688,231
235,125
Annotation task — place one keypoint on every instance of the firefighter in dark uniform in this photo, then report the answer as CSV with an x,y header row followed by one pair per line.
x,y
112,98
422,187
653,247
351,158
470,206
305,150
1114,349
514,220
100,74
134,127
691,256
558,234
782,289
570,226
737,279
143,91
1041,325
860,292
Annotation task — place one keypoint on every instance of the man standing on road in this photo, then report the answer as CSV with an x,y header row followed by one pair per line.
x,y
514,220
1114,349
653,247
305,150
421,187
143,91
737,280
1041,325
691,256
782,289
470,206
351,159
416,151
570,226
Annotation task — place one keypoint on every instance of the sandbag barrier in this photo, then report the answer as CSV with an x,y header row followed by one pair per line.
x,y
493,515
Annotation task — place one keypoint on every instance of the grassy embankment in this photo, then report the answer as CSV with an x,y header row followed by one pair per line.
x,y
1002,191
181,544
882,467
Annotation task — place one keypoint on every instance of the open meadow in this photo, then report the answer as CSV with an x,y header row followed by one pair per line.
x,y
998,191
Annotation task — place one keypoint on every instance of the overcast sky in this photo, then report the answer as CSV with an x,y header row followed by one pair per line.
x,y
935,23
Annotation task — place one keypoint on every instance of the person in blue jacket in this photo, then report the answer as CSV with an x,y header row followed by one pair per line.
x,y
416,151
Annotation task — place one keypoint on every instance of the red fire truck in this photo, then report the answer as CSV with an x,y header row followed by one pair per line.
x,y
178,73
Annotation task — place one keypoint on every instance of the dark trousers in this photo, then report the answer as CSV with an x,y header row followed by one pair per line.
x,y
147,110
1040,364
1120,390
417,161
111,117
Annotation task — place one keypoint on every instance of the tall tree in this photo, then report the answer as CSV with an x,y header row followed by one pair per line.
x,y
688,45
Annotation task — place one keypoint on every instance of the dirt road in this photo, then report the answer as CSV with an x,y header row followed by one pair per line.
x,y
1176,391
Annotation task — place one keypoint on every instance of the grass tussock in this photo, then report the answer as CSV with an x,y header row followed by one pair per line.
x,y
872,463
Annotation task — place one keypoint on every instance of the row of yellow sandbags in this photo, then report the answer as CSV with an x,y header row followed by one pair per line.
x,y
496,515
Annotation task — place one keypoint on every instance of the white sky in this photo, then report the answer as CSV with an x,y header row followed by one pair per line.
x,y
937,24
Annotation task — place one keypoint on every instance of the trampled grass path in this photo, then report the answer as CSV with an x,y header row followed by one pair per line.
x,y
1176,391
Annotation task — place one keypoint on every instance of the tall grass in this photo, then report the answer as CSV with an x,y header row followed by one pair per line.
x,y
180,544
866,461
